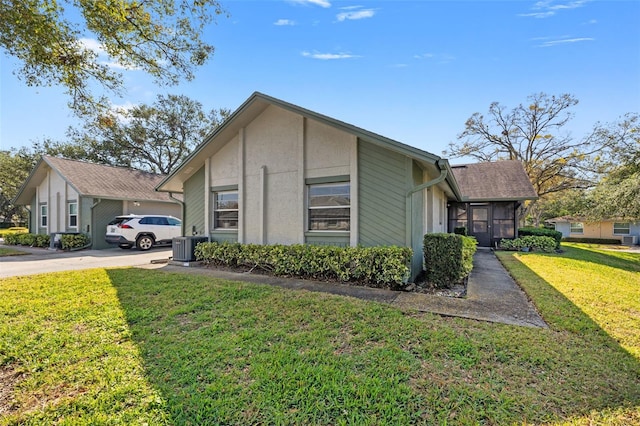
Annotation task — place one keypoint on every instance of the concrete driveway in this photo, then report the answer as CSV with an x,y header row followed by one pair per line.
x,y
40,261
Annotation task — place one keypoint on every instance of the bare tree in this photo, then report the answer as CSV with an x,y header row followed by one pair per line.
x,y
533,134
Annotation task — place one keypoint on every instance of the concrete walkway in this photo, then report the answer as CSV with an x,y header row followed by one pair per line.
x,y
492,295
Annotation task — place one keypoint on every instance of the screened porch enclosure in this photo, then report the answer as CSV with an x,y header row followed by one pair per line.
x,y
487,222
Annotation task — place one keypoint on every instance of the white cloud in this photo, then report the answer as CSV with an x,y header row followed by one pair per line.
x,y
424,56
328,56
551,43
321,3
548,8
93,45
353,13
284,22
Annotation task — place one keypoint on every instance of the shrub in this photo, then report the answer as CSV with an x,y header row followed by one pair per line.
x,y
541,232
383,267
32,240
72,241
592,240
448,258
460,230
4,233
545,244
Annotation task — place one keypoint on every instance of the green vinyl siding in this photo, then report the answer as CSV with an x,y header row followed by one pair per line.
x,y
103,213
194,203
382,186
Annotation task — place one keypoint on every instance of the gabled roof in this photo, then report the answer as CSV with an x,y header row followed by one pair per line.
x,y
94,180
496,181
258,103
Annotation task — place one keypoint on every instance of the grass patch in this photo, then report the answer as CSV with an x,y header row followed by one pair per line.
x,y
11,252
602,284
135,346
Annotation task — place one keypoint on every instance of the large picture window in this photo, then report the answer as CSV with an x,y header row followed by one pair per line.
x,y
329,207
73,214
621,228
225,210
44,214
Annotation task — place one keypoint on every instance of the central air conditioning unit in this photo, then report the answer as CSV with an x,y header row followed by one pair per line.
x,y
630,240
184,248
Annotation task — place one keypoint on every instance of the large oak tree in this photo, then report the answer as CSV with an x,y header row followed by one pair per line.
x,y
535,134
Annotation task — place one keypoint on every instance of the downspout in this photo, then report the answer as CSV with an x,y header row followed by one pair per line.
x,y
409,207
182,208
91,208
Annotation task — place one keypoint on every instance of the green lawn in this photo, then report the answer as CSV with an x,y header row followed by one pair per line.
x,y
129,346
4,251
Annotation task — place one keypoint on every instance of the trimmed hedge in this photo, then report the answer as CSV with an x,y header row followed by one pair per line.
x,y
32,240
541,232
73,241
382,267
545,244
14,230
448,258
592,240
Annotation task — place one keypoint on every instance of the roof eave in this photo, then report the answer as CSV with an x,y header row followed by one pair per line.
x,y
257,96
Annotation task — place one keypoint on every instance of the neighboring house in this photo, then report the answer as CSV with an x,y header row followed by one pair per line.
x,y
627,231
74,196
492,193
278,173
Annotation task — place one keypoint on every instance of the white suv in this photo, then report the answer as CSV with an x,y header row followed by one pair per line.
x,y
143,231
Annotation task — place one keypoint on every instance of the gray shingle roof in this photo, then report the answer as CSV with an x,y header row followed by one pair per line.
x,y
95,180
500,180
98,180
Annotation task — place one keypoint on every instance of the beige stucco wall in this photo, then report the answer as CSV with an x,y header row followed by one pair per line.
x,y
269,160
55,192
435,207
597,230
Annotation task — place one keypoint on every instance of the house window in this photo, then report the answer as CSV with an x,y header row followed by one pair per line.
x,y
329,207
577,228
225,210
621,228
504,220
43,215
73,214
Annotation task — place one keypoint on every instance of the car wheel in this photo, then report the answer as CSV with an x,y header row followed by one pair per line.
x,y
125,246
144,242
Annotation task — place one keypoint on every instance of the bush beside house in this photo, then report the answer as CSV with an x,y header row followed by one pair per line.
x,y
448,258
540,232
530,243
381,267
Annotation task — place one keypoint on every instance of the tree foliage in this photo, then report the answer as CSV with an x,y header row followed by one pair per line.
x,y
15,166
617,195
153,138
50,41
531,133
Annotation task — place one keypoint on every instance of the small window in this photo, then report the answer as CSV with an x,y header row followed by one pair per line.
x,y
73,214
621,228
43,216
577,228
329,207
225,210
173,221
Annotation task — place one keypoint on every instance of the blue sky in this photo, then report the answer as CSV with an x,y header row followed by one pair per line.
x,y
413,71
